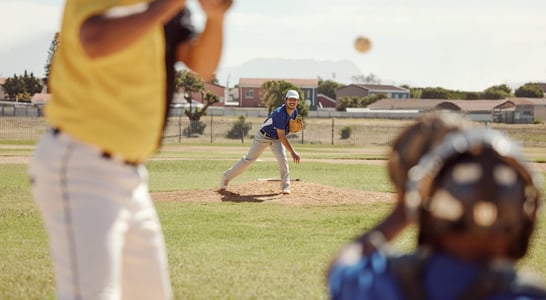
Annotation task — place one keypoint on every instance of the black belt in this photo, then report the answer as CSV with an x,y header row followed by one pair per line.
x,y
103,154
268,136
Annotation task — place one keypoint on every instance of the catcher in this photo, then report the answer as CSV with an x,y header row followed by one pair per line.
x,y
273,134
475,202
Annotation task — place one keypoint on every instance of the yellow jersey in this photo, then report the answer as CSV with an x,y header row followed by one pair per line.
x,y
114,102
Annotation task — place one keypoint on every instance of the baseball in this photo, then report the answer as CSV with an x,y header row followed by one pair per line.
x,y
362,44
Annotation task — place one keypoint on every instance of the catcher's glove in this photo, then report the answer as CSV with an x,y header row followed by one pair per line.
x,y
295,125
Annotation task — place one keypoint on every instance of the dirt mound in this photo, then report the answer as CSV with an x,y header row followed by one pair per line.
x,y
302,193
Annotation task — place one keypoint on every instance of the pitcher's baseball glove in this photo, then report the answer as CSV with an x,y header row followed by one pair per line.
x,y
295,125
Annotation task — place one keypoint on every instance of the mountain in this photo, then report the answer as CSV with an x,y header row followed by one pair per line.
x,y
340,71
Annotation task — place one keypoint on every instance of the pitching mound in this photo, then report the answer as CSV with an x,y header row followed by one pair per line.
x,y
268,191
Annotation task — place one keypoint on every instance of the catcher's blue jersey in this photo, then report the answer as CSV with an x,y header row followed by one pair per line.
x,y
445,278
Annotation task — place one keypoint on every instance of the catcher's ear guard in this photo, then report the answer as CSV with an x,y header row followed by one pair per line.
x,y
476,180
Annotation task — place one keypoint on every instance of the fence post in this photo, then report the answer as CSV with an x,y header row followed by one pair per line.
x,y
243,132
302,129
332,131
180,129
211,116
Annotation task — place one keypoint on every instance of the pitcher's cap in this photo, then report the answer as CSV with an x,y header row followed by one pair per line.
x,y
292,94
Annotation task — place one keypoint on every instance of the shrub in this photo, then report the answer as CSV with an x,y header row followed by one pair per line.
x,y
346,132
239,129
195,128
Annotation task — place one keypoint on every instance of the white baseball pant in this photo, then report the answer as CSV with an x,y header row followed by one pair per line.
x,y
260,143
104,234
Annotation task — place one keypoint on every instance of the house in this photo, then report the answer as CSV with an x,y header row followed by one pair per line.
x,y
510,110
40,98
3,94
526,110
250,90
324,101
216,89
476,110
409,104
483,110
232,97
364,90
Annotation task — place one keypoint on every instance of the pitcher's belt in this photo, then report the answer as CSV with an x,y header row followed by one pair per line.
x,y
268,136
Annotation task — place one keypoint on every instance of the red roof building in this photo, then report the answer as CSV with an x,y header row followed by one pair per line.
x,y
250,90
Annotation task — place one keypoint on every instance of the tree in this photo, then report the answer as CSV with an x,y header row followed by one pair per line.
x,y
371,79
497,92
22,87
192,84
501,87
239,129
214,80
328,87
274,92
493,94
345,102
415,93
50,55
472,96
13,86
529,90
434,93
364,102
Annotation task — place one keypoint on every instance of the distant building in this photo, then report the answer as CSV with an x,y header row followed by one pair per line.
x,y
3,94
216,89
511,110
324,101
40,98
364,90
250,90
526,110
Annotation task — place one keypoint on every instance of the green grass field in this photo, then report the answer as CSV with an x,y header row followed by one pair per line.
x,y
223,250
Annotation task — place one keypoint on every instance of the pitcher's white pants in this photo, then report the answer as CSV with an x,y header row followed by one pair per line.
x,y
258,146
104,234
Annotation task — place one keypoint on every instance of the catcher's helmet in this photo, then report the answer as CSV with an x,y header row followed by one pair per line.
x,y
414,141
475,181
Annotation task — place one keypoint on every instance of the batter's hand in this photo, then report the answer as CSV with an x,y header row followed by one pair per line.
x,y
215,8
295,157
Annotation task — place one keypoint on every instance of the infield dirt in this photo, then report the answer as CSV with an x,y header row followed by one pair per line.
x,y
268,191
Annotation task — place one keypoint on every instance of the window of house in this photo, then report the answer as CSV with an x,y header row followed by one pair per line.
x,y
249,94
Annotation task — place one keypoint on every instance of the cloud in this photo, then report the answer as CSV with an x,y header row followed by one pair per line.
x,y
22,21
27,29
463,44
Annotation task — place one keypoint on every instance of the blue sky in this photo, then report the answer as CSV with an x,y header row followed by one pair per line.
x,y
465,44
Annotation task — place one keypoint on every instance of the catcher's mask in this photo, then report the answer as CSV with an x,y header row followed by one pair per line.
x,y
475,181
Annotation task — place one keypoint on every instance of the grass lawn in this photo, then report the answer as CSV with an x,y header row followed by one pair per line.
x,y
223,250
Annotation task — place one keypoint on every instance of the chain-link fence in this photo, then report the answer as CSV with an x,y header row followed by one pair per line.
x,y
215,129
228,129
